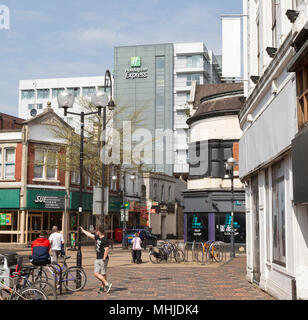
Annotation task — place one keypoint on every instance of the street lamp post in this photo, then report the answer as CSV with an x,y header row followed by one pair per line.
x,y
230,166
66,101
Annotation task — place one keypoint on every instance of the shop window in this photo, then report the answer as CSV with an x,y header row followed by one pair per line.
x,y
302,95
278,213
9,163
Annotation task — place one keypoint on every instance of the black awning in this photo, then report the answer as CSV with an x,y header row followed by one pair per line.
x,y
300,167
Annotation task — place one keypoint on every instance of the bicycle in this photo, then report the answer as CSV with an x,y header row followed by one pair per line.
x,y
212,248
62,274
11,292
22,275
175,252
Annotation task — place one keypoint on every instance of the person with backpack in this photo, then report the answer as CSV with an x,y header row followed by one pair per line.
x,y
40,250
102,258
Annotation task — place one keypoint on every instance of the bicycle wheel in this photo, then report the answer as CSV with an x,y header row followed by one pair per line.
x,y
39,275
30,294
47,288
70,276
154,259
216,252
179,256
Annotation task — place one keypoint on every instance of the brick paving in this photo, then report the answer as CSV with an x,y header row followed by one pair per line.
x,y
226,282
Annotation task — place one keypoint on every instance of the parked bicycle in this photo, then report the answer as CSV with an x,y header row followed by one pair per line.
x,y
62,274
10,291
166,252
210,248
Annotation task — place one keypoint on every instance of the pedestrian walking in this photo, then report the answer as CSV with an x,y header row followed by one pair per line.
x,y
136,253
102,257
56,242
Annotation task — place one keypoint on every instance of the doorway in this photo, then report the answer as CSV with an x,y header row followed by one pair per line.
x,y
35,223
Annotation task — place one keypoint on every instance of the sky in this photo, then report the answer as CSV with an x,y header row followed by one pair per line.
x,y
76,38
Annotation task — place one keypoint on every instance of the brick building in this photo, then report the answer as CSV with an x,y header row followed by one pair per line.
x,y
34,190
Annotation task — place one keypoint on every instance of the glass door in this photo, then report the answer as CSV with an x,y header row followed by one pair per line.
x,y
35,223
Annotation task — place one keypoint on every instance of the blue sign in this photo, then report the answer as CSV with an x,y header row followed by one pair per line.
x,y
195,223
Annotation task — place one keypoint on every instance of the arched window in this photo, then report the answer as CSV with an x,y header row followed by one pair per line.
x,y
169,194
162,196
143,191
155,192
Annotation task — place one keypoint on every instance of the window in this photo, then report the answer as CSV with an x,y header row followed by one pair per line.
x,y
169,194
302,94
275,22
27,94
278,213
75,177
37,106
162,195
143,191
193,61
43,93
88,91
39,164
57,91
267,212
9,163
45,164
155,192
51,165
191,77
102,89
74,91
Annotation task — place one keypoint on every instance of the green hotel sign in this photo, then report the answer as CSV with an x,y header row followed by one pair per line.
x,y
135,62
135,71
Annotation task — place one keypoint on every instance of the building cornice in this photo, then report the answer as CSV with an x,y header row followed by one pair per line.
x,y
279,62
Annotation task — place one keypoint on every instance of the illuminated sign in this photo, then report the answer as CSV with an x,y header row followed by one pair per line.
x,y
136,72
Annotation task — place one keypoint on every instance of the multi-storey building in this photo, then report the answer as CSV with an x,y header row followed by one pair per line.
x,y
34,95
192,62
273,149
156,79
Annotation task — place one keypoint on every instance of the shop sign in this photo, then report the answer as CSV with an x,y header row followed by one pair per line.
x,y
45,199
51,202
5,219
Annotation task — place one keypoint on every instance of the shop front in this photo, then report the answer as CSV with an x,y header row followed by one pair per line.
x,y
45,209
207,216
9,215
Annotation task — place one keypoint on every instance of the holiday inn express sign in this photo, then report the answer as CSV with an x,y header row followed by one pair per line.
x,y
135,70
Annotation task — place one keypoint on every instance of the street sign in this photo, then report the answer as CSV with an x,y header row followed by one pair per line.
x,y
124,215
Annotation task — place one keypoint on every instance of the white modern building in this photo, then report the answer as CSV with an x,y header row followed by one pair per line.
x,y
192,63
34,95
273,149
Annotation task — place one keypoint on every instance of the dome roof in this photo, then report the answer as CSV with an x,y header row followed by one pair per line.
x,y
214,99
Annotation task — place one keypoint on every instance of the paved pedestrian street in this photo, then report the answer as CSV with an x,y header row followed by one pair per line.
x,y
168,281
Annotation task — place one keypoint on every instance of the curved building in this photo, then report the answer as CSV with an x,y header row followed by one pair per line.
x,y
214,133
